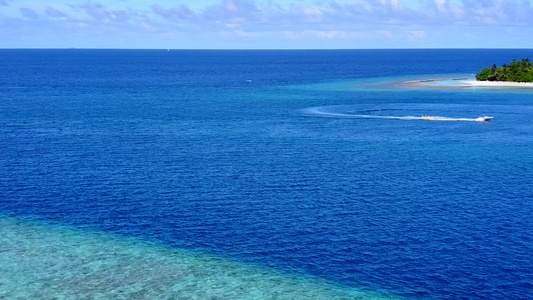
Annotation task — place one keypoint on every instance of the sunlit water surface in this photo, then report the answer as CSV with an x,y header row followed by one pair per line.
x,y
262,174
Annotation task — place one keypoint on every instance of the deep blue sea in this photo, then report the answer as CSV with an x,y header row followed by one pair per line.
x,y
151,162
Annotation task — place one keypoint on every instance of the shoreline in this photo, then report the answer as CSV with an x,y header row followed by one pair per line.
x,y
463,83
499,83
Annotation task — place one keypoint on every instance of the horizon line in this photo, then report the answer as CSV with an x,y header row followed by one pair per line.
x,y
253,49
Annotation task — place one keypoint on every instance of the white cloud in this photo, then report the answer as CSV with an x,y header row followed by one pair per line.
x,y
55,13
393,21
333,34
29,13
416,35
391,3
313,14
386,34
179,13
239,33
440,5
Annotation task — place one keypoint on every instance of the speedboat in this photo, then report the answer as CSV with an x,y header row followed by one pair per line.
x,y
484,119
427,117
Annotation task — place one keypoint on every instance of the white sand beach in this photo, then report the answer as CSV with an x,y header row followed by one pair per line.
x,y
461,84
499,83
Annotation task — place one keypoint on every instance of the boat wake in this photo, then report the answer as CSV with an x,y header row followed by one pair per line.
x,y
323,111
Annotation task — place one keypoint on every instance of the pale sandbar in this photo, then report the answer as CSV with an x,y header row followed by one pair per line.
x,y
461,83
424,83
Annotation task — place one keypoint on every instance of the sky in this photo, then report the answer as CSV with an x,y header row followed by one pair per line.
x,y
266,24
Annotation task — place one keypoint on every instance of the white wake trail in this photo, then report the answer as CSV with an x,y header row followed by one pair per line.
x,y
322,112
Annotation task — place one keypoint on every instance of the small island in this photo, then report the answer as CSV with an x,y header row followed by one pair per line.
x,y
516,71
517,74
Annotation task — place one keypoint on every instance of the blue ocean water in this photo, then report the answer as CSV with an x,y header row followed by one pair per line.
x,y
263,157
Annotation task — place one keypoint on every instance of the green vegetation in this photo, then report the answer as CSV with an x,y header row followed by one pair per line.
x,y
518,71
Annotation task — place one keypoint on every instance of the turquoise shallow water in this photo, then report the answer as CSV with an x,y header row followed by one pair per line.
x,y
45,261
